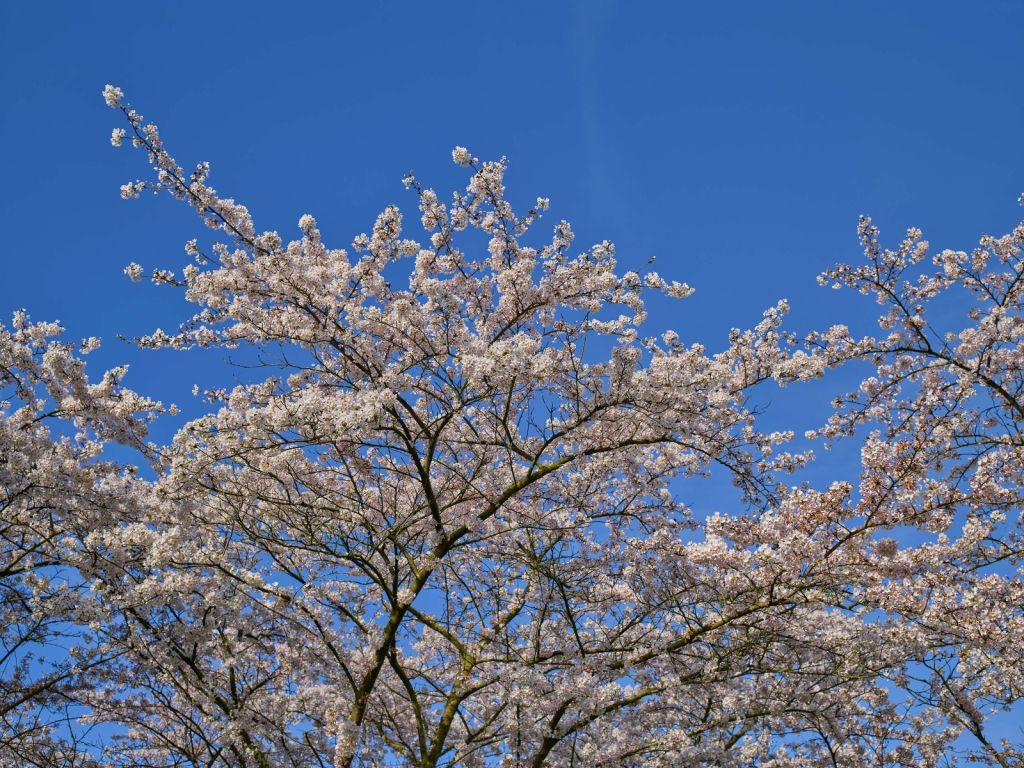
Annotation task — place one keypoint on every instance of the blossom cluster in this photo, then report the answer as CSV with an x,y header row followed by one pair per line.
x,y
447,528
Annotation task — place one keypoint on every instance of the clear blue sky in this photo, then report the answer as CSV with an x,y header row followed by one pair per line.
x,y
737,142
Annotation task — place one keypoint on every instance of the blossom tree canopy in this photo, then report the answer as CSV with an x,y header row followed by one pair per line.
x,y
447,528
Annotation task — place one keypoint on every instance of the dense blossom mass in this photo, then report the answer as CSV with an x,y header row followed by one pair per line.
x,y
448,526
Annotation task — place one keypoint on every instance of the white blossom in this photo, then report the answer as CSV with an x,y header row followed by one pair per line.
x,y
461,156
112,95
440,516
134,271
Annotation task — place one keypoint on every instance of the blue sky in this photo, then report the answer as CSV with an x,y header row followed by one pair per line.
x,y
737,142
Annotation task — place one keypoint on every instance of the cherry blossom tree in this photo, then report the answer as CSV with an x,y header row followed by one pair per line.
x,y
55,488
446,526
